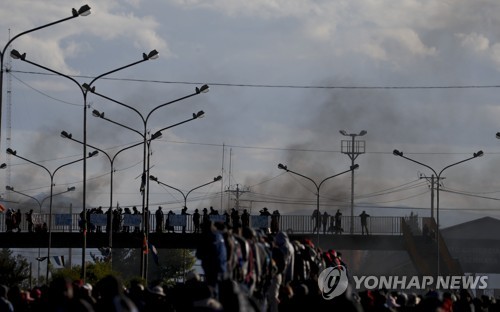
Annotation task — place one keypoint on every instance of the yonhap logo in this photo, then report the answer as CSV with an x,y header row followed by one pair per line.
x,y
333,281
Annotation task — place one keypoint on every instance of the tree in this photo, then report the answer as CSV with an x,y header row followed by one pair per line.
x,y
14,270
172,263
95,272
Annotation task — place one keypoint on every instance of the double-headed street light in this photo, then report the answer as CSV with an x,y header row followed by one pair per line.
x,y
147,144
185,195
353,148
69,136
51,174
318,186
84,89
144,132
438,176
156,135
40,203
82,11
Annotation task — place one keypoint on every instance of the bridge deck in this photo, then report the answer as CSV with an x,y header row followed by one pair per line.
x,y
189,240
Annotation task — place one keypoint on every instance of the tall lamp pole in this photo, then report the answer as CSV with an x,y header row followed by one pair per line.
x,y
51,174
144,180
438,175
40,203
82,11
145,172
84,89
353,148
318,186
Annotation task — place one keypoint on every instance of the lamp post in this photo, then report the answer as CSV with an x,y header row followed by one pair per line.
x,y
40,203
69,136
185,195
438,176
157,135
353,148
145,184
85,88
82,11
318,186
51,174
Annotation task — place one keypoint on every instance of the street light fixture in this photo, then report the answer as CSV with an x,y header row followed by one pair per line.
x,y
353,148
438,176
82,11
143,134
85,88
147,143
318,186
69,136
51,174
40,203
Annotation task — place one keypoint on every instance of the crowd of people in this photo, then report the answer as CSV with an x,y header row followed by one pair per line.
x,y
244,270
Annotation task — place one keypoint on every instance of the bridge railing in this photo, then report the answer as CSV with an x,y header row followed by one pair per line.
x,y
296,224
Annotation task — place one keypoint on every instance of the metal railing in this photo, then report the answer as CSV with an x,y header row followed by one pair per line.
x,y
292,224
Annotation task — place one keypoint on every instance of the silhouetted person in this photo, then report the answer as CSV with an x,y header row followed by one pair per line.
x,y
184,213
324,220
245,219
159,220
168,222
235,219
99,211
29,220
275,222
364,223
136,212
196,221
338,222
315,218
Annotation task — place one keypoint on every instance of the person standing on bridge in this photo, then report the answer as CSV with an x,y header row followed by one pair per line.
x,y
29,219
364,223
196,221
324,220
184,213
159,220
338,222
316,215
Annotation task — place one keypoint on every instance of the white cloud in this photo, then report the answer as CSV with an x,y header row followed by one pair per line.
x,y
474,41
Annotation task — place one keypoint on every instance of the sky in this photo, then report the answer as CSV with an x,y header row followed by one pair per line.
x,y
285,77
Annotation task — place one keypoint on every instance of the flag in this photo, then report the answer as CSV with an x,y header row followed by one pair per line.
x,y
154,252
143,183
59,260
41,258
145,245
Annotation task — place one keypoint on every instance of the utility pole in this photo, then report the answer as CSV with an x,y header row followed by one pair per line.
x,y
353,148
238,193
431,180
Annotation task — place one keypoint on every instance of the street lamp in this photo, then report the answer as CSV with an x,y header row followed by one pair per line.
x,y
143,134
85,88
318,186
185,195
156,135
40,203
82,11
51,174
353,148
438,176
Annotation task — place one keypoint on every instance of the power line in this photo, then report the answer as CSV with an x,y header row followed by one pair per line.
x,y
280,86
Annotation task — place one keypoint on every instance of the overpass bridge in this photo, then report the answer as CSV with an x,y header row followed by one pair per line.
x,y
386,233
